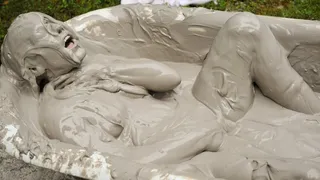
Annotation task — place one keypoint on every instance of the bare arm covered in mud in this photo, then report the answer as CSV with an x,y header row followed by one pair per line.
x,y
127,73
150,74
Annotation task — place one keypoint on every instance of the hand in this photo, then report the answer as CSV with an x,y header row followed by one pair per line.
x,y
105,79
63,80
84,77
112,85
97,79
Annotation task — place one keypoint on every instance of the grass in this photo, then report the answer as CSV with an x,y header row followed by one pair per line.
x,y
300,9
66,9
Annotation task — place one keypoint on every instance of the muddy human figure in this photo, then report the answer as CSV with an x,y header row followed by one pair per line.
x,y
119,82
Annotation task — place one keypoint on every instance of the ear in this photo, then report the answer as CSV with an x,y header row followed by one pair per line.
x,y
31,78
34,65
31,70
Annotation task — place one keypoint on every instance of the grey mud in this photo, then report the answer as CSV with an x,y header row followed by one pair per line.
x,y
167,92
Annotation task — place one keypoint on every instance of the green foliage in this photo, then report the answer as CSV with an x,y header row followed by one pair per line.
x,y
300,9
303,9
59,9
65,9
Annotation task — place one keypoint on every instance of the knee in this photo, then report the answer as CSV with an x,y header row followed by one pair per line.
x,y
244,23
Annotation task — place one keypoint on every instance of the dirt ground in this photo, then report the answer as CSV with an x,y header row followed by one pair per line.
x,y
13,169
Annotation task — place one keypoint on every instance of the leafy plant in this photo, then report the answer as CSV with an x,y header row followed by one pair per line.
x,y
59,9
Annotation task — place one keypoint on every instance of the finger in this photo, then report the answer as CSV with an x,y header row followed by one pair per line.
x,y
86,82
85,78
65,83
61,79
134,89
108,85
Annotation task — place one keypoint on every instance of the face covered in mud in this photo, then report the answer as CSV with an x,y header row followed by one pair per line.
x,y
57,45
37,45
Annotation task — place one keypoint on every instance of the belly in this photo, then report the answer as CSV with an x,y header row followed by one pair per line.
x,y
154,120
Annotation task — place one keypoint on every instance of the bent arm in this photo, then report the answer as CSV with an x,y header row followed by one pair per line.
x,y
150,74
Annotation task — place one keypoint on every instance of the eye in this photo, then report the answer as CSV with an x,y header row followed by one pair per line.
x,y
45,20
33,69
60,29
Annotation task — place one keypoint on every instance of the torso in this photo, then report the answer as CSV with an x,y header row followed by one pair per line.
x,y
145,118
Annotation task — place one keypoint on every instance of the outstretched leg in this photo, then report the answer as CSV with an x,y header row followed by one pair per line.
x,y
277,79
243,52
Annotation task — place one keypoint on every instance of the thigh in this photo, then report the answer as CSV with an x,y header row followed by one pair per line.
x,y
225,82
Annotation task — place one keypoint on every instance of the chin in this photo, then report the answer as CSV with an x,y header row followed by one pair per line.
x,y
81,54
77,55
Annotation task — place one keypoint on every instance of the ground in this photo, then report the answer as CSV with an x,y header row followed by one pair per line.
x,y
14,169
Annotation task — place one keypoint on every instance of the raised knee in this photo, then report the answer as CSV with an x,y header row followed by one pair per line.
x,y
244,23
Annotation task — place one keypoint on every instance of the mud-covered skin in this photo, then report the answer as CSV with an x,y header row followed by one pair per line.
x,y
186,34
153,130
244,52
190,30
35,46
250,168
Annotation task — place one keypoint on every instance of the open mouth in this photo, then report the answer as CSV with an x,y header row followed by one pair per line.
x,y
68,42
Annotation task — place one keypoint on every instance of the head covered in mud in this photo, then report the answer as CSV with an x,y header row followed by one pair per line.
x,y
38,46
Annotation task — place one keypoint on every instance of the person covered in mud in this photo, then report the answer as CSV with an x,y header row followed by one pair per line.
x,y
145,83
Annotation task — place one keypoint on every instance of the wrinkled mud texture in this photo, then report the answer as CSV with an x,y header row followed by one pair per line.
x,y
13,169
